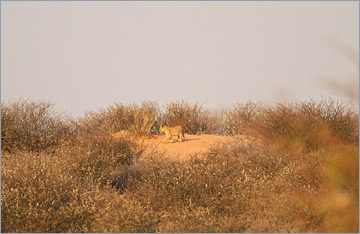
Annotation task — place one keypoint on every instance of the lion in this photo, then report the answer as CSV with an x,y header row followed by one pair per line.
x,y
172,131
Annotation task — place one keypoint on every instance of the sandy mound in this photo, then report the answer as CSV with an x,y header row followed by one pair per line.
x,y
191,144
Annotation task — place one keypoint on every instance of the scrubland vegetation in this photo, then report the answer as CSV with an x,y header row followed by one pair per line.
x,y
301,174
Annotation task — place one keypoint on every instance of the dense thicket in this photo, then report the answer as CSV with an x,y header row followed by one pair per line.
x,y
301,174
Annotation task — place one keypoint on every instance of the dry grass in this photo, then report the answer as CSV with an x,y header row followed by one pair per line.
x,y
301,175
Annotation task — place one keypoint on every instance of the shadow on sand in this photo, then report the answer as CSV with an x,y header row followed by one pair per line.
x,y
194,139
175,139
183,140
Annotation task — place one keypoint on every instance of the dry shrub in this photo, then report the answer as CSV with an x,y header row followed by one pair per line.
x,y
41,193
235,187
194,117
102,158
94,182
93,123
67,190
309,125
240,119
122,215
137,119
325,133
38,194
32,126
341,201
142,118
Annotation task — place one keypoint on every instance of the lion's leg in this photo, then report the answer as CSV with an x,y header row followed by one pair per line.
x,y
165,139
180,137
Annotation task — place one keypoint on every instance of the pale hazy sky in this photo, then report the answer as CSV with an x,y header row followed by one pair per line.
x,y
87,55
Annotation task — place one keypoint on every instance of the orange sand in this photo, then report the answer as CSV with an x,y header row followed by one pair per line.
x,y
190,145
